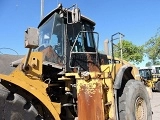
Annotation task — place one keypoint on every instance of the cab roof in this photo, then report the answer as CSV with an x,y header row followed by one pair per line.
x,y
58,9
145,68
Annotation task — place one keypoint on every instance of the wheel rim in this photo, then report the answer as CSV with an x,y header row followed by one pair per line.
x,y
140,109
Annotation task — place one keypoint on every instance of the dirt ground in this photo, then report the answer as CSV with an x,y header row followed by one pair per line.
x,y
155,103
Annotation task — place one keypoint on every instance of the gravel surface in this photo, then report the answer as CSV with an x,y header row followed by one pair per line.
x,y
5,61
155,103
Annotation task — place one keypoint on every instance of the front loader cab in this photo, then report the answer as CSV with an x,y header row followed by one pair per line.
x,y
62,34
84,53
52,40
146,74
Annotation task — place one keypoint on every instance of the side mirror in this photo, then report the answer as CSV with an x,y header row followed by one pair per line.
x,y
31,38
76,15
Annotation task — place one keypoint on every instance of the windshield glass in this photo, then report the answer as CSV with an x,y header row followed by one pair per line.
x,y
84,36
157,70
51,39
145,73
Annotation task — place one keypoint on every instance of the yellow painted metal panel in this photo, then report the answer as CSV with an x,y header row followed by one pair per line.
x,y
31,82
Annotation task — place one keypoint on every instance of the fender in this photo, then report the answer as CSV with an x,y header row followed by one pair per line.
x,y
35,87
120,73
31,82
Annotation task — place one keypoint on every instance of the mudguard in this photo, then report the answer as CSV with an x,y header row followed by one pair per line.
x,y
119,76
36,88
31,82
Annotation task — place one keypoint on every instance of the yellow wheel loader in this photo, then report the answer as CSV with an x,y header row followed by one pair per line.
x,y
146,76
150,79
64,77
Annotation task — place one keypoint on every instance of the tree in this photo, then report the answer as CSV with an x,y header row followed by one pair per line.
x,y
131,52
152,48
148,64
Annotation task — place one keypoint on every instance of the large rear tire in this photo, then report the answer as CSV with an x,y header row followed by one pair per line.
x,y
134,102
157,86
15,107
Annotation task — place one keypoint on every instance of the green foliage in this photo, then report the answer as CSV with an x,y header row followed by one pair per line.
x,y
148,64
131,52
152,48
157,62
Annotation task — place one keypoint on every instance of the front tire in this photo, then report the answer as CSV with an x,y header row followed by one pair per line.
x,y
157,86
134,102
15,107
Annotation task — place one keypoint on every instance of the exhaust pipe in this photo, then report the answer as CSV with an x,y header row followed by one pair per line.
x,y
106,47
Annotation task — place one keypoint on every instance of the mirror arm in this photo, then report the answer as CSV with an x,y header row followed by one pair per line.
x,y
25,66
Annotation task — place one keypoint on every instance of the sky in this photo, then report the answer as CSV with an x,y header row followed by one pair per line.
x,y
138,20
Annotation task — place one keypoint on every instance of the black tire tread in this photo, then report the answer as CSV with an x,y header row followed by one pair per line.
x,y
123,112
13,106
157,86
